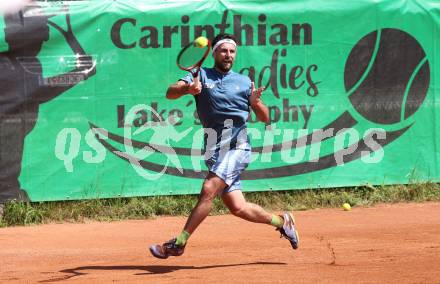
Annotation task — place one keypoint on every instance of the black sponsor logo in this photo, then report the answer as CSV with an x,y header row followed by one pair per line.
x,y
23,88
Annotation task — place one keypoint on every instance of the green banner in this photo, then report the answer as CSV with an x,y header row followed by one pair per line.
x,y
352,87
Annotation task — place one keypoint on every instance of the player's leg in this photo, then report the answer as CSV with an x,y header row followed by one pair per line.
x,y
212,186
239,207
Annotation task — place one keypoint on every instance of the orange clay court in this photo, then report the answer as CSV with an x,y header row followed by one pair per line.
x,y
383,244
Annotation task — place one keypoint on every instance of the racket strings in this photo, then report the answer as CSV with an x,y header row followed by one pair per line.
x,y
191,56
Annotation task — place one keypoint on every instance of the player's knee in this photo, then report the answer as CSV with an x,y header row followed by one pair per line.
x,y
207,194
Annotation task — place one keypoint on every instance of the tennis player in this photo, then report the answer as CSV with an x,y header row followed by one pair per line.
x,y
224,99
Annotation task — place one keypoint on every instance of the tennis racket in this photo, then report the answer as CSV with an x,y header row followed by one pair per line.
x,y
191,57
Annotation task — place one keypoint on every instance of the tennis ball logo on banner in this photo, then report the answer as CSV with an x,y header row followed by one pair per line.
x,y
391,87
386,78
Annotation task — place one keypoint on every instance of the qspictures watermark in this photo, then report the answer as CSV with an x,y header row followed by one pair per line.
x,y
296,146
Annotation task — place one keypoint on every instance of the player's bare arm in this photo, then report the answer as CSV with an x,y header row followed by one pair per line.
x,y
257,104
181,88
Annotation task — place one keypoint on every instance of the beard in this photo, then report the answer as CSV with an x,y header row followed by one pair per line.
x,y
224,66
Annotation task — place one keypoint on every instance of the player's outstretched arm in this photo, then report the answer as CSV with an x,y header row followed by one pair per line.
x,y
181,88
257,104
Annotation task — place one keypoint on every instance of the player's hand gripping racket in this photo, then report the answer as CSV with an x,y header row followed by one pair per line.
x,y
191,57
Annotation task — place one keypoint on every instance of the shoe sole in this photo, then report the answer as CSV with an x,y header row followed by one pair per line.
x,y
296,232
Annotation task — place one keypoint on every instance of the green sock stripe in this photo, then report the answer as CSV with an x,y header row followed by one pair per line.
x,y
276,221
182,238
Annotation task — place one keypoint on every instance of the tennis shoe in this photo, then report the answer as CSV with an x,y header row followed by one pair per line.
x,y
167,249
288,230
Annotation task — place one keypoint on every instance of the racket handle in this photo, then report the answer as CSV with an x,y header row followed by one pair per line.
x,y
196,80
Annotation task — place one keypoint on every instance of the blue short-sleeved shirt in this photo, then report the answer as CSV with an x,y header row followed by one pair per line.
x,y
223,106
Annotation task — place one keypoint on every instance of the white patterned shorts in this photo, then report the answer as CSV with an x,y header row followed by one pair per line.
x,y
229,165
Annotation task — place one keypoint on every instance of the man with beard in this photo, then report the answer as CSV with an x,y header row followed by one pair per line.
x,y
223,100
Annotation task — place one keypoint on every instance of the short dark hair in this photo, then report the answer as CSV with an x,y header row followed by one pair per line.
x,y
219,37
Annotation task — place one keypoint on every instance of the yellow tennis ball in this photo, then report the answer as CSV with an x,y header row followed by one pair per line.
x,y
346,207
201,41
